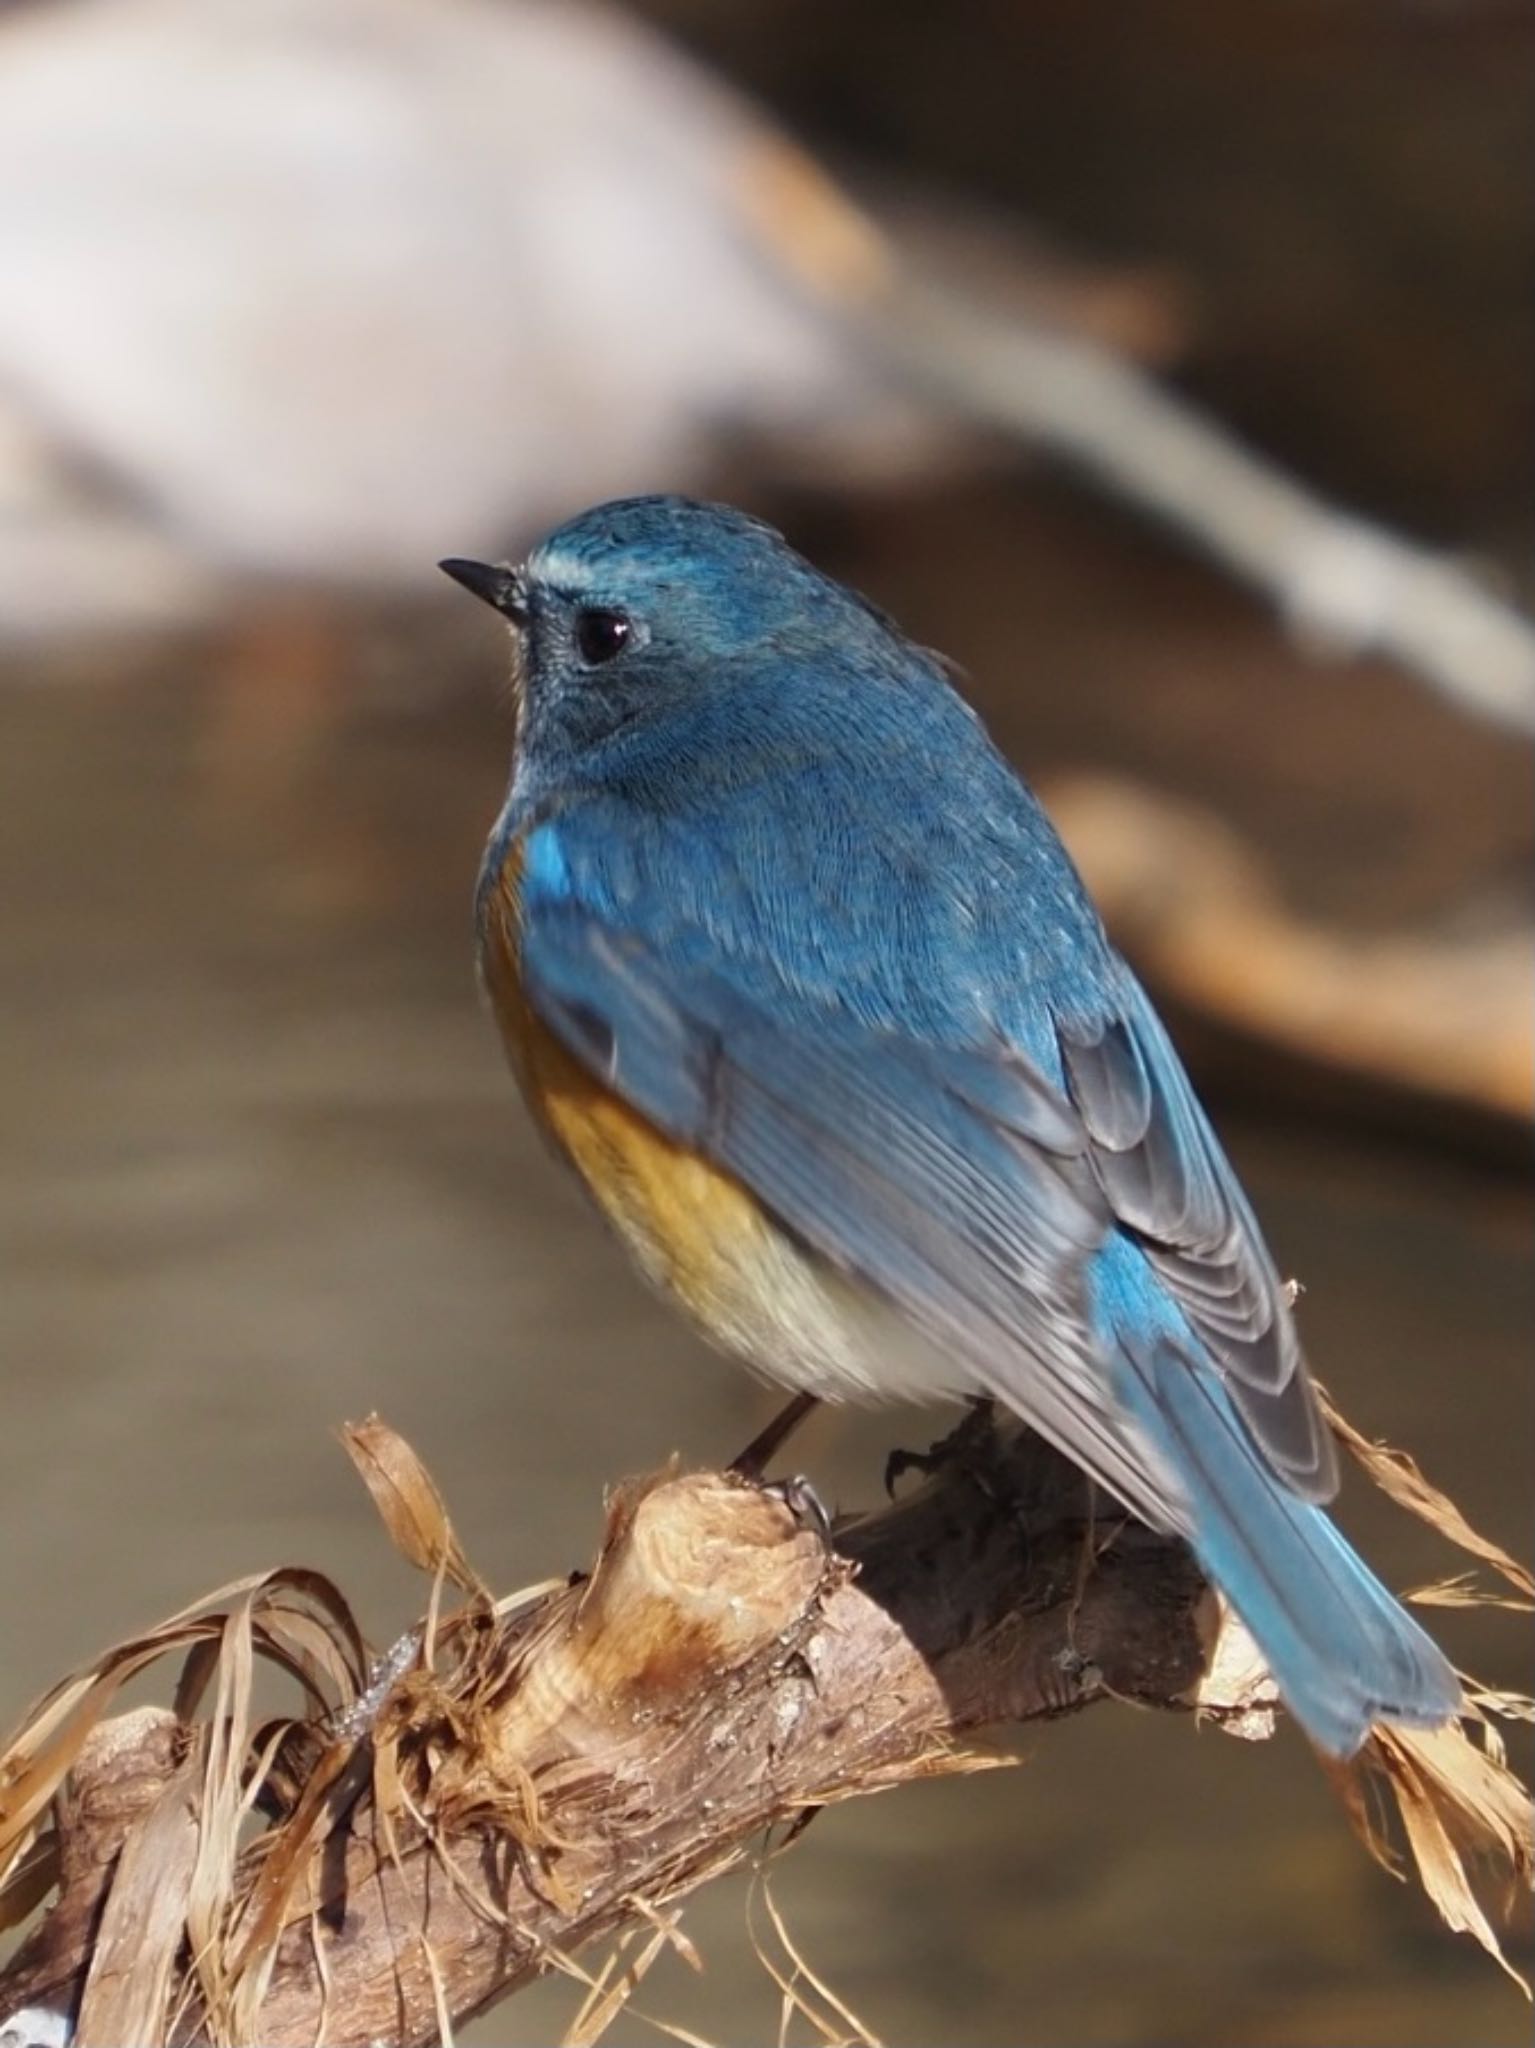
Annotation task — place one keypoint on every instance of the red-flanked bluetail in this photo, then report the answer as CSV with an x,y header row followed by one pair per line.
x,y
794,970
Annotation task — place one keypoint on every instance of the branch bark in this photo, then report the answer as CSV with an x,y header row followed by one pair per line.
x,y
552,1774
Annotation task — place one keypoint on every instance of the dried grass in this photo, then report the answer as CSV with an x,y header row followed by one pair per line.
x,y
804,1994
1398,1476
1460,1804
223,1862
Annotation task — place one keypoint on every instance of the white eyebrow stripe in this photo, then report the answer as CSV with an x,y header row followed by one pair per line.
x,y
565,574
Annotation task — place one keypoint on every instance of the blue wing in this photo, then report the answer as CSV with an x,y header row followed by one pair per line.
x,y
954,1185
958,1179
968,1163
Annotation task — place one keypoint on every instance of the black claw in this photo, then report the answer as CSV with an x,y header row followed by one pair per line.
x,y
965,1443
899,1463
803,1503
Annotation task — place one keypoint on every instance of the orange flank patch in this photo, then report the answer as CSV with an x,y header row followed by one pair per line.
x,y
694,1230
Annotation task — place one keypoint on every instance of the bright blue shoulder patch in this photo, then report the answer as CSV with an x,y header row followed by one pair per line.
x,y
545,870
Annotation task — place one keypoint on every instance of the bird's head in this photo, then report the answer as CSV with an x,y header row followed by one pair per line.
x,y
638,608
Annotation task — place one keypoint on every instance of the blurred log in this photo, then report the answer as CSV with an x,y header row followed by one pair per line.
x,y
1359,265
1346,585
1442,1015
556,1774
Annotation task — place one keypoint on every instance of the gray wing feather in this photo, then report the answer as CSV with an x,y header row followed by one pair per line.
x,y
905,1166
1167,1180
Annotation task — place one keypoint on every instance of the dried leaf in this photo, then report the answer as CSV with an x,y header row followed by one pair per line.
x,y
669,1925
1398,1477
33,1876
1463,1591
604,2002
445,2034
799,1971
329,1792
211,1888
133,1956
175,1884
42,1748
406,1496
1508,1706
1456,1801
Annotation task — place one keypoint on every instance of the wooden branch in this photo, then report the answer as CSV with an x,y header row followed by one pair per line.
x,y
564,1770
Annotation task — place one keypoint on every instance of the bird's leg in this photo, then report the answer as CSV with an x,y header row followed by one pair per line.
x,y
797,1493
962,1442
764,1447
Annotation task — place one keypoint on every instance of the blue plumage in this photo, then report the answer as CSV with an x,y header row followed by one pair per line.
x,y
782,896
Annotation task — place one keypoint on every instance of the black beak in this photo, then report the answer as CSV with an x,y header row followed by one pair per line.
x,y
496,583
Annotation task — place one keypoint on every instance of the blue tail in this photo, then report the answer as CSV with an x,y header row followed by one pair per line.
x,y
1343,1652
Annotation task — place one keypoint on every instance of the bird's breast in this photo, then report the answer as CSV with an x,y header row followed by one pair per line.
x,y
693,1229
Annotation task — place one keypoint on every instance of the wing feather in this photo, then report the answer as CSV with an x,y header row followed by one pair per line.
x,y
959,1182
905,1166
1167,1180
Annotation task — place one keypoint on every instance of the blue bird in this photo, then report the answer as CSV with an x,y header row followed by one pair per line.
x,y
795,972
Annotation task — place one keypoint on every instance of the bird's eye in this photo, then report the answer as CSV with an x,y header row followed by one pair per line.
x,y
600,634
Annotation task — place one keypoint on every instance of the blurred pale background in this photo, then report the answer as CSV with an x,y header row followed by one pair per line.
x,y
263,1168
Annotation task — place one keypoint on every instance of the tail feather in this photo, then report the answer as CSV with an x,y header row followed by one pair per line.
x,y
1344,1653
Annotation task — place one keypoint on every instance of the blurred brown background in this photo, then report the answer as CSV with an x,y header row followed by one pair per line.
x,y
263,1168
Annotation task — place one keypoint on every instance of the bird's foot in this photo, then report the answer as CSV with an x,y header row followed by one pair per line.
x,y
967,1443
804,1504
